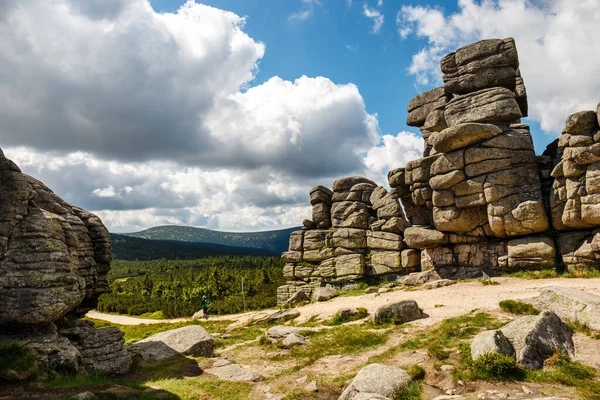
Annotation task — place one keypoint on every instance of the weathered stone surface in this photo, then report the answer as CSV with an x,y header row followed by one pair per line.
x,y
283,315
418,278
385,262
579,250
438,284
386,204
350,214
101,349
460,220
279,331
50,350
384,241
570,305
422,238
463,135
192,340
410,258
320,194
324,293
581,122
399,312
53,257
484,64
349,238
346,183
351,265
376,380
495,105
531,253
233,372
321,215
490,342
420,106
536,338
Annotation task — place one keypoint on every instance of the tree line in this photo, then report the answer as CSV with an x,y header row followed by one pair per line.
x,y
176,287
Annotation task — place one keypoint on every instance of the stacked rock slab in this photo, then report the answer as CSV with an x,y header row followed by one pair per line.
x,y
362,237
575,196
54,259
478,178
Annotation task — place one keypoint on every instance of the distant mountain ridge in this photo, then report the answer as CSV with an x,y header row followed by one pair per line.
x,y
132,248
273,241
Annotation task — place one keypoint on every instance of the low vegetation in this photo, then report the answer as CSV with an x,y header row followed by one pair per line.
x,y
518,308
16,361
558,272
174,288
342,318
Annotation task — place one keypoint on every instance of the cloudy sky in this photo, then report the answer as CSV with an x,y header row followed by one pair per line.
x,y
223,114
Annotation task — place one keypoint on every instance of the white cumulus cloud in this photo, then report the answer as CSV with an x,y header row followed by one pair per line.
x,y
376,16
557,42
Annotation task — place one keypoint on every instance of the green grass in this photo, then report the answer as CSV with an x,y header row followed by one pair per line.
x,y
17,360
518,308
416,372
340,319
153,315
554,273
134,333
345,339
204,389
440,341
558,369
84,379
412,391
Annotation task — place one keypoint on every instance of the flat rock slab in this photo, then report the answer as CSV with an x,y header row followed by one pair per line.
x,y
376,380
234,372
570,305
190,340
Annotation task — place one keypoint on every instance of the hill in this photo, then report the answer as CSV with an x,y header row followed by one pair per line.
x,y
272,241
132,248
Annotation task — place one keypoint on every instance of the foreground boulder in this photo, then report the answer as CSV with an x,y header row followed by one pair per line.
x,y
399,312
571,305
190,340
491,342
376,381
538,337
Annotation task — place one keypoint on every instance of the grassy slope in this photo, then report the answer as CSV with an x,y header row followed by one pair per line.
x,y
276,241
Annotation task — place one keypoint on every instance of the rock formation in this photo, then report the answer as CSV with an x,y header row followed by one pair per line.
x,y
54,258
478,201
358,234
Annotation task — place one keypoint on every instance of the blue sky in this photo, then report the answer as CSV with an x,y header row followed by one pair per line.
x,y
335,41
154,112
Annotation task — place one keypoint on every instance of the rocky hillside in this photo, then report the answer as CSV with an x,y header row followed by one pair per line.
x,y
273,241
478,201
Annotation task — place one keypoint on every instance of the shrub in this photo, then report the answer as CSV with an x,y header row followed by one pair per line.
x,y
494,366
16,362
416,372
339,319
518,308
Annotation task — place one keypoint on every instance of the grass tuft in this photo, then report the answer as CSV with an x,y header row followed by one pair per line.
x,y
416,372
339,319
518,308
17,362
412,391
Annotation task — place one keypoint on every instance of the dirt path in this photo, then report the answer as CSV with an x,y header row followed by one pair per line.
x,y
439,304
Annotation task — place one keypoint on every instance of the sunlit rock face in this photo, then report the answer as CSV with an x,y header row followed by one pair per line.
x,y
478,201
54,257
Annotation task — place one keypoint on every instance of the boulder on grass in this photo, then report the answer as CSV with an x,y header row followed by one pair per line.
x,y
377,380
399,312
538,337
192,340
491,342
234,373
283,315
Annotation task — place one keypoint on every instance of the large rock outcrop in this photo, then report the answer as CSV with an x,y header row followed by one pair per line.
x,y
478,201
364,237
54,259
